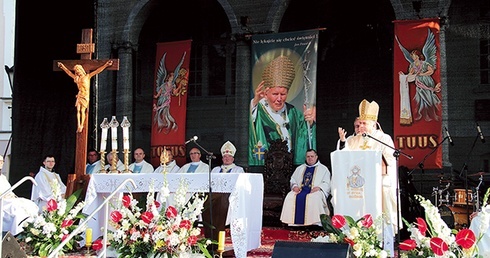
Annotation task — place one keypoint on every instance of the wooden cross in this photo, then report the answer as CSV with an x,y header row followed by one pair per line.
x,y
85,49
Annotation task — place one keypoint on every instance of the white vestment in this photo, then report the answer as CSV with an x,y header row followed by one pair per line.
x,y
15,209
93,168
316,203
145,167
228,169
44,192
201,167
171,167
119,167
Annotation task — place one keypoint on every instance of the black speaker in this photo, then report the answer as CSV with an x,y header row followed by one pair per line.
x,y
11,248
290,249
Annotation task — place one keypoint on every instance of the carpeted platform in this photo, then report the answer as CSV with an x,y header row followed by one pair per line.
x,y
269,237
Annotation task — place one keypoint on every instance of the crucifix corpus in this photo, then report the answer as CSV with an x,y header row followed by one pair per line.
x,y
82,71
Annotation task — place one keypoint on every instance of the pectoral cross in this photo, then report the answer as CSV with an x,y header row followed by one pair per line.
x,y
85,49
365,146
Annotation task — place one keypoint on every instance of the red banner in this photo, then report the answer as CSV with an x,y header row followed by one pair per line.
x,y
417,92
170,100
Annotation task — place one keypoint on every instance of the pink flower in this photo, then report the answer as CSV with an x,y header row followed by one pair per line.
x,y
338,221
465,238
66,223
438,246
52,205
97,245
116,216
171,212
146,217
64,237
186,224
157,204
126,201
367,221
408,245
192,240
421,225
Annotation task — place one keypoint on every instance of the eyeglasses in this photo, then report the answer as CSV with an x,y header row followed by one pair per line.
x,y
194,153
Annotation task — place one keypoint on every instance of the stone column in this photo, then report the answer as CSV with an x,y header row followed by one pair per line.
x,y
242,93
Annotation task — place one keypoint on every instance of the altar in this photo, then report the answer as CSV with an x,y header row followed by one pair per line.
x,y
244,213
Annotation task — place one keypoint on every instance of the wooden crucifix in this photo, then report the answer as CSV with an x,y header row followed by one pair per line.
x,y
83,70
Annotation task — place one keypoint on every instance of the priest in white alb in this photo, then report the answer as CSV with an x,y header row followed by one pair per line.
x,y
310,187
372,138
49,184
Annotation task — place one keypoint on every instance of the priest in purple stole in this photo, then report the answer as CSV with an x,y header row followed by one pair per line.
x,y
310,187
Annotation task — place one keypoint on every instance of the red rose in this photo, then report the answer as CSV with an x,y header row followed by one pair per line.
x,y
192,240
52,205
126,201
64,237
97,244
421,225
116,216
338,221
66,223
186,224
465,238
146,217
171,212
367,221
438,246
408,245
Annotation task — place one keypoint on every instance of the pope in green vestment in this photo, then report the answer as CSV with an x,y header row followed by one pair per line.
x,y
272,118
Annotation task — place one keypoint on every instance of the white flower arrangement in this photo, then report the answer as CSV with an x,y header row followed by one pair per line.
x,y
161,230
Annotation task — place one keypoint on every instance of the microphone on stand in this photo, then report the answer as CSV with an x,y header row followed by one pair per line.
x,y
193,139
449,137
480,133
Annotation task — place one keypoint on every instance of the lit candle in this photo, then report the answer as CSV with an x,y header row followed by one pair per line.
x,y
88,237
221,241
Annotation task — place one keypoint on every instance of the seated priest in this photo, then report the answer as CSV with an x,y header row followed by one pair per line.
x,y
310,187
15,209
219,201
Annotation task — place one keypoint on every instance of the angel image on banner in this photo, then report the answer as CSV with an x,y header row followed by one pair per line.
x,y
422,65
168,85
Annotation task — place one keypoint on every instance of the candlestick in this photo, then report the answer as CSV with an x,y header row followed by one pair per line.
x,y
103,139
114,124
221,241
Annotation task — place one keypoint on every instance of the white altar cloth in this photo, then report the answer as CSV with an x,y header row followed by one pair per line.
x,y
244,213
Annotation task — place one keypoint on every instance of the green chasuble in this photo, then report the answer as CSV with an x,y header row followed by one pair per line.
x,y
265,129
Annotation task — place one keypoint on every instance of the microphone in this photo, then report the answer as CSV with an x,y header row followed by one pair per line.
x,y
480,133
364,135
193,139
449,137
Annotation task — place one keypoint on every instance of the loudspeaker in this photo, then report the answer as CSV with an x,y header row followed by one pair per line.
x,y
290,249
11,248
